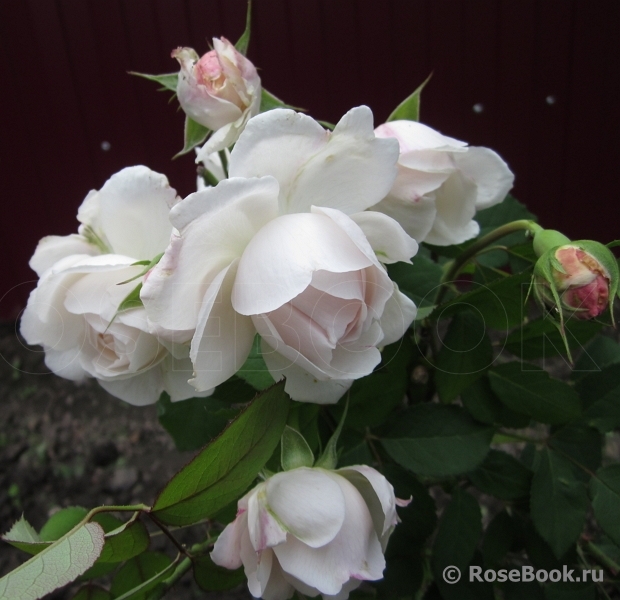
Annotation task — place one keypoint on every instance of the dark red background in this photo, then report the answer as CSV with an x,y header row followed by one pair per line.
x,y
66,90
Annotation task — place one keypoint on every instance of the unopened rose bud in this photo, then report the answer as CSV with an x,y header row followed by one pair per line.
x,y
221,90
579,278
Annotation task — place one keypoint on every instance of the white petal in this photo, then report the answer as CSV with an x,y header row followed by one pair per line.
x,y
347,588
489,172
354,553
398,314
416,216
300,384
412,135
139,390
349,169
134,205
176,373
52,248
277,588
278,263
66,363
387,238
265,530
308,503
215,227
227,549
223,338
377,492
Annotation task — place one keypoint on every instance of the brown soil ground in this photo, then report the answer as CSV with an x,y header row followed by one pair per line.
x,y
63,444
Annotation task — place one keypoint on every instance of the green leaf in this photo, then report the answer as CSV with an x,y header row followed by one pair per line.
x,y
600,393
60,563
168,81
92,592
295,450
329,457
501,303
194,422
213,578
605,494
22,532
139,575
485,406
222,471
459,530
571,591
599,353
498,539
409,108
558,501
244,41
254,371
505,212
419,281
465,355
194,135
432,439
503,476
534,393
583,444
541,339
269,101
129,540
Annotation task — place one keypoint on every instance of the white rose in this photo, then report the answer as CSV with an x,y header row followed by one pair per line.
x,y
284,248
441,183
73,311
220,90
312,530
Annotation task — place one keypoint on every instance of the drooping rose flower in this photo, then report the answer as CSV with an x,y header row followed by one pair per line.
x,y
441,183
220,90
312,530
72,312
284,248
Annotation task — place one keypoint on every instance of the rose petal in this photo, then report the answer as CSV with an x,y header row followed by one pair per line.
x,y
139,390
398,314
52,248
227,549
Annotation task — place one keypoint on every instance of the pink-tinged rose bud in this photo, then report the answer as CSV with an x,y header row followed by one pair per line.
x,y
221,90
583,276
313,530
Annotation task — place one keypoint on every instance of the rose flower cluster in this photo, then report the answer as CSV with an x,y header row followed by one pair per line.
x,y
155,293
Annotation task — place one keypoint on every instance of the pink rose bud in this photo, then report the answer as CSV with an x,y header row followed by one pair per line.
x,y
221,90
582,276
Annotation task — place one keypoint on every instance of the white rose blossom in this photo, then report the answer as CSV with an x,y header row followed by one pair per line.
x,y
312,530
72,312
441,183
286,248
220,90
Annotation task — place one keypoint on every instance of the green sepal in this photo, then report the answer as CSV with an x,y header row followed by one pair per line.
x,y
244,41
168,81
194,135
329,458
148,265
131,300
409,108
295,451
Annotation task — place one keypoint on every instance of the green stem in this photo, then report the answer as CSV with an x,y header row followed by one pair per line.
x,y
224,160
477,247
602,558
209,178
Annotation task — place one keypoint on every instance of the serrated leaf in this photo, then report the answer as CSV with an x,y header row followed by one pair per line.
x,y
213,578
194,135
465,355
599,353
222,471
139,575
503,476
485,406
168,81
244,41
432,439
600,393
295,450
125,542
501,303
605,494
409,108
22,531
534,393
583,444
254,371
269,101
459,530
60,563
558,501
498,539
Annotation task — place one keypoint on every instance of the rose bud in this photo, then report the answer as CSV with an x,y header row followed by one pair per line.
x,y
221,91
577,277
313,530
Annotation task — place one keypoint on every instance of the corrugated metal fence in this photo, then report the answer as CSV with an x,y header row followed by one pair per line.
x,y
542,74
